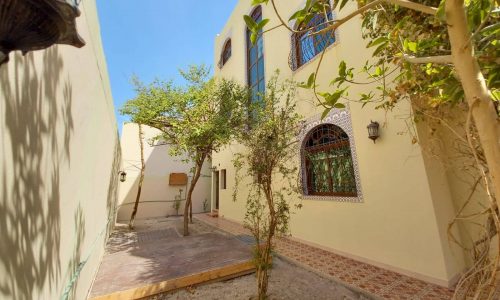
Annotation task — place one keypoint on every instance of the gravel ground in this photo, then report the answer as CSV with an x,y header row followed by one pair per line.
x,y
287,281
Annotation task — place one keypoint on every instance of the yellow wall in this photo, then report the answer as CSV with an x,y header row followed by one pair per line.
x,y
59,163
401,223
159,165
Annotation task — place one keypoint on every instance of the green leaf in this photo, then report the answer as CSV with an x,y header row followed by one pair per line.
x,y
339,105
342,69
297,15
441,14
496,95
326,112
311,79
261,24
342,4
377,41
257,2
253,38
250,22
412,46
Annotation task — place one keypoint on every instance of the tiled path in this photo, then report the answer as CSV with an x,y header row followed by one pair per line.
x,y
376,281
143,261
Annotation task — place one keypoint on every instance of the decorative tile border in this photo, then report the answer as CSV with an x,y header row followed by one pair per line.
x,y
342,119
375,281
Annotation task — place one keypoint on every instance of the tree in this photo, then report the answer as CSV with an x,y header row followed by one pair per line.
x,y
270,145
196,120
437,53
141,178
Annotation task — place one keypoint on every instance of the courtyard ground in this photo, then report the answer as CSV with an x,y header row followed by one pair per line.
x,y
287,282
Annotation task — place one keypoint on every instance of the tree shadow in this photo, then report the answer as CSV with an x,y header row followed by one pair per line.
x,y
36,127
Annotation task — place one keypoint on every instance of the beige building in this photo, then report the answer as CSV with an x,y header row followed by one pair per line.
x,y
59,164
392,205
158,195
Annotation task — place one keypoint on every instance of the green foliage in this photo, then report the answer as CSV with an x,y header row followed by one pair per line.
x,y
198,118
270,149
396,33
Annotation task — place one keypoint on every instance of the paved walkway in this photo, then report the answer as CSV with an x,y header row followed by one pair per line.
x,y
376,281
157,259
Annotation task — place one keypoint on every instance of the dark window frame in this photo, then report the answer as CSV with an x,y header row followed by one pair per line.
x,y
255,60
223,179
327,146
226,53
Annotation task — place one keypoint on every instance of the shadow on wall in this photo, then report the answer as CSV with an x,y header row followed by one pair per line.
x,y
34,147
114,182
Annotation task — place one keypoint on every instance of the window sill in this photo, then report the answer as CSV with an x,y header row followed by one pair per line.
x,y
356,199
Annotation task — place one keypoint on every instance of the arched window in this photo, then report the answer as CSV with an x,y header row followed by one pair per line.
x,y
255,60
306,46
226,53
328,162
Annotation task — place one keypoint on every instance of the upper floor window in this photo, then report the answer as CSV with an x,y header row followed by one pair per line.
x,y
306,46
255,60
328,162
226,53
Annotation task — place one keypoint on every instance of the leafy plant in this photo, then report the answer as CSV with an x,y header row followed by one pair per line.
x,y
434,53
270,149
197,119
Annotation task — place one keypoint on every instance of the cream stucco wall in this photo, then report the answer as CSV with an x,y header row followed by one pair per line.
x,y
156,195
59,162
401,223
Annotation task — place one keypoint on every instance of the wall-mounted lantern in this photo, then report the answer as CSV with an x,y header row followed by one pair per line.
x,y
29,25
123,176
373,131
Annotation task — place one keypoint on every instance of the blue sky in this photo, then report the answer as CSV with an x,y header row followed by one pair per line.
x,y
154,38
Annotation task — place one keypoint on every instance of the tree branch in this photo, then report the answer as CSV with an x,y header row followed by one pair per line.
x,y
438,59
415,6
404,3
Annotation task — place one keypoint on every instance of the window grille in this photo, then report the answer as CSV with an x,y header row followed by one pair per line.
x,y
329,167
306,46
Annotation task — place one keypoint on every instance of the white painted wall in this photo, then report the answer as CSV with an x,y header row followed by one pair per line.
x,y
59,161
402,222
159,165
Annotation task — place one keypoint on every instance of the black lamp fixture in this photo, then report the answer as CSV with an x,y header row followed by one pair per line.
x,y
29,25
123,176
373,131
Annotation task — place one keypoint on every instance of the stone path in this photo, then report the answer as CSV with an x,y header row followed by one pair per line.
x,y
379,282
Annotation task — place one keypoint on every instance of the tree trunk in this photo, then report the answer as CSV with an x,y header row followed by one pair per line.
x,y
141,180
476,92
265,253
187,206
191,212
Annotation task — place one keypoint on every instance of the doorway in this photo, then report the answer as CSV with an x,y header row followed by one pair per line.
x,y
216,186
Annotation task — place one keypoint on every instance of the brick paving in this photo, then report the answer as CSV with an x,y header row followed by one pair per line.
x,y
136,259
381,283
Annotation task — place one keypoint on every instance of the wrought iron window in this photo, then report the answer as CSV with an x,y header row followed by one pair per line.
x,y
226,53
328,161
306,46
255,61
